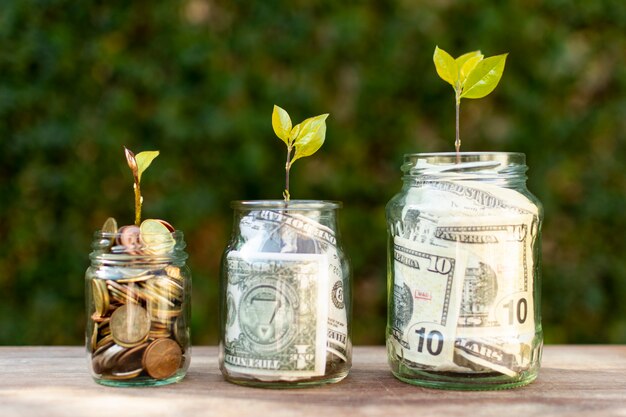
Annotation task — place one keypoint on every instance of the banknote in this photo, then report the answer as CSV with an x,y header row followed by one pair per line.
x,y
497,230
425,302
497,291
504,355
299,232
277,315
497,300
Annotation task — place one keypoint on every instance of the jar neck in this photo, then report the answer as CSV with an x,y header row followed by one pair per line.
x,y
111,249
503,169
307,217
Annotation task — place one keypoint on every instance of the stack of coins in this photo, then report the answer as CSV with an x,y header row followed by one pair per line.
x,y
138,313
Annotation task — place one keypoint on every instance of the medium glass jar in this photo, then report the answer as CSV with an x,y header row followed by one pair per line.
x,y
464,273
285,296
138,295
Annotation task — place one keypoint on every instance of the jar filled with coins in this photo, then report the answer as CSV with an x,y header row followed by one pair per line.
x,y
464,273
285,296
138,293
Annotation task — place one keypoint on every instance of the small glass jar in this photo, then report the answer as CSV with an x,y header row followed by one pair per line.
x,y
464,273
138,299
285,296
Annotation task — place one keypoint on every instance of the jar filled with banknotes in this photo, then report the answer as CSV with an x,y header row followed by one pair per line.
x,y
464,274
138,293
285,296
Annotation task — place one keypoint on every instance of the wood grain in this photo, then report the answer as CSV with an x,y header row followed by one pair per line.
x,y
53,381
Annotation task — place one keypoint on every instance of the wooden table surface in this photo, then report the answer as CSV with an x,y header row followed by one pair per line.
x,y
53,381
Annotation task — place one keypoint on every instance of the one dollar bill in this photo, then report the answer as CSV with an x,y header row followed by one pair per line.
x,y
277,315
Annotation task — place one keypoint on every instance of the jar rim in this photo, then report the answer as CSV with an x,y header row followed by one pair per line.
x,y
176,234
301,205
451,157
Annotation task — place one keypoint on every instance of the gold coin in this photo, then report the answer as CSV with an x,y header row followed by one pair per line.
x,y
138,278
173,272
128,291
156,299
162,358
110,226
100,296
94,337
106,340
109,230
156,237
159,334
130,325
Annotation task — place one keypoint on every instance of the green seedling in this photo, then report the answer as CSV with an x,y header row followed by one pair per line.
x,y
471,76
303,139
138,164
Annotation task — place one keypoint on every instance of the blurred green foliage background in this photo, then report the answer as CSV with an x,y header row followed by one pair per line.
x,y
196,79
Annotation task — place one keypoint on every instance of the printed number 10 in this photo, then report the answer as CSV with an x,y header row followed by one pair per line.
x,y
430,340
519,312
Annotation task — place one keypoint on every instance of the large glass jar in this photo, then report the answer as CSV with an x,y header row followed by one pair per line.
x,y
285,296
138,294
464,273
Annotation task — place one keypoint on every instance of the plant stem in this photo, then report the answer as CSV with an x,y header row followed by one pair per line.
x,y
137,204
287,168
457,141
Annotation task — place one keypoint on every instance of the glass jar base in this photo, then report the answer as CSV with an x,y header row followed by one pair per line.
x,y
309,383
143,381
467,382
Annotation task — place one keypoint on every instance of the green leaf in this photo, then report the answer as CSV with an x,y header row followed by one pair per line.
x,y
144,159
295,132
446,66
467,68
466,64
466,57
484,77
311,136
281,122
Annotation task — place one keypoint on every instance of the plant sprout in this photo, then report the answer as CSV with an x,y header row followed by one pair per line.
x,y
303,139
138,164
471,75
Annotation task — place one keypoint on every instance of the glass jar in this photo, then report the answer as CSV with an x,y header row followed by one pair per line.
x,y
138,296
285,296
464,273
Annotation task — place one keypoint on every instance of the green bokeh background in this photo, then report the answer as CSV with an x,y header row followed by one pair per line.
x,y
197,79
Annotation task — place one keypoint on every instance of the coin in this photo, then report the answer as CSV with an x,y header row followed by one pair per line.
x,y
94,337
130,360
129,292
125,375
173,272
110,355
104,341
162,358
130,325
167,224
109,226
129,237
181,332
103,359
156,237
109,229
100,296
121,296
134,279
